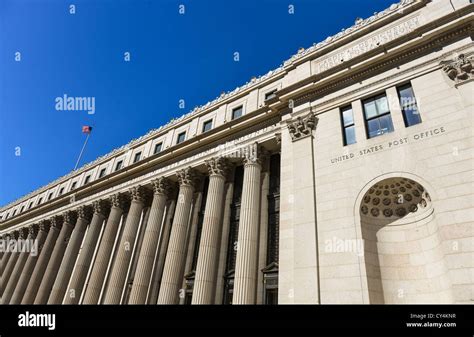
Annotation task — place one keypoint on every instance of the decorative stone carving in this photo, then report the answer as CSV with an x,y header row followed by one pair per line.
x,y
69,217
44,225
101,207
278,138
33,230
254,155
117,200
161,186
23,232
187,176
84,212
138,193
56,222
217,166
460,69
302,127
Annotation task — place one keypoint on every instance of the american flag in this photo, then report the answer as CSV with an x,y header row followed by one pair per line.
x,y
86,129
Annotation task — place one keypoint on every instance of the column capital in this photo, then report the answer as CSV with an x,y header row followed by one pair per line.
x,y
16,234
187,177
101,207
84,212
255,155
23,233
44,225
301,127
217,166
33,230
117,200
161,186
138,193
56,222
69,217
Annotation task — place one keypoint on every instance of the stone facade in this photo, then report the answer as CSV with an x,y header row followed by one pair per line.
x,y
330,188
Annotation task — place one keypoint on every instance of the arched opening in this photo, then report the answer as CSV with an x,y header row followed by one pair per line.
x,y
402,249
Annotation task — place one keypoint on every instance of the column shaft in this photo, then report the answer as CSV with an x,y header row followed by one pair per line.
x,y
148,249
263,236
12,282
245,280
176,256
53,264
99,269
26,273
41,264
70,256
8,272
161,254
207,264
84,260
118,275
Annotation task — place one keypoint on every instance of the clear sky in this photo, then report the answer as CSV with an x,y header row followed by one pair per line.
x,y
46,52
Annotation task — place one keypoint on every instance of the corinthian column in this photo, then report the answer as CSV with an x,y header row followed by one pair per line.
x,y
23,255
118,274
11,262
87,252
56,258
26,273
105,250
70,256
42,262
245,280
176,256
150,241
207,263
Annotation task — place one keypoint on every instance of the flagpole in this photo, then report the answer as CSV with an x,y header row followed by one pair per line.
x,y
80,154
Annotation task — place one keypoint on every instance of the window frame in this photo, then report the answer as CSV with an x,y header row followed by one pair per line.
x,y
269,93
182,133
102,172
344,127
241,108
135,159
378,116
156,145
209,121
118,165
73,185
402,108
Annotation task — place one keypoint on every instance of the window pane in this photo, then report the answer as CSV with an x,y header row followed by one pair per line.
x,y
412,116
386,125
347,116
350,135
382,105
369,109
158,147
373,128
237,112
181,137
207,126
407,99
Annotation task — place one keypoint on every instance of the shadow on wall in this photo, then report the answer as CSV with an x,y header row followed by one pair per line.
x,y
402,249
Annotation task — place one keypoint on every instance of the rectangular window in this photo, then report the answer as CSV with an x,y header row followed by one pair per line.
x,y
119,165
50,196
207,126
14,212
237,112
181,137
61,190
73,185
31,205
102,172
158,148
411,115
22,208
87,179
348,127
40,200
137,157
270,94
377,116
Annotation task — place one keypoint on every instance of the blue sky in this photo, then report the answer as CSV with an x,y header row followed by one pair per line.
x,y
172,57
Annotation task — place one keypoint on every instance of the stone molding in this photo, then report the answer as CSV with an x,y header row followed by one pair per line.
x,y
302,127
